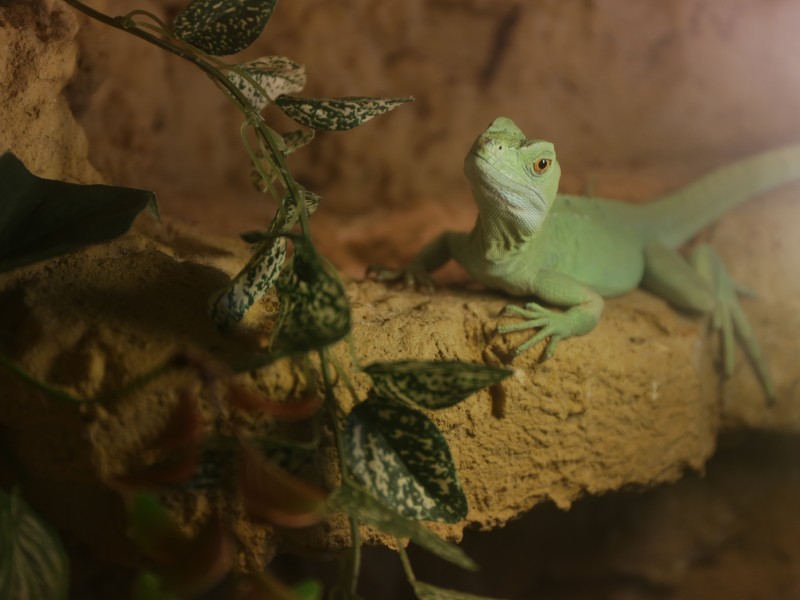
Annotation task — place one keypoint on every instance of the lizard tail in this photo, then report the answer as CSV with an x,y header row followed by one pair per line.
x,y
677,217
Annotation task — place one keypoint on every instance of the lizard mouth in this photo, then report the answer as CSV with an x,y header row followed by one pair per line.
x,y
514,194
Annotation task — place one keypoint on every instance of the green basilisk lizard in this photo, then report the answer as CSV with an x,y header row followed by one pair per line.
x,y
573,251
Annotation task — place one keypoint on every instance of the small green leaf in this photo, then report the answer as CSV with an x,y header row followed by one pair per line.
x,y
33,563
365,508
432,384
336,114
42,218
270,75
402,458
153,528
289,142
314,310
222,27
148,586
426,591
293,140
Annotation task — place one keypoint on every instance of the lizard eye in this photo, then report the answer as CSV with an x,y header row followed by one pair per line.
x,y
541,165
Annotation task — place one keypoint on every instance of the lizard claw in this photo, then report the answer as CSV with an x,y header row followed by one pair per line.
x,y
553,326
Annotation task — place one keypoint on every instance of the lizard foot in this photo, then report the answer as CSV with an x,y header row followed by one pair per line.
x,y
729,319
410,276
551,324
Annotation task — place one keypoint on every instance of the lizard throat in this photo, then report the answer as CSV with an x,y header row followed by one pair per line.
x,y
510,215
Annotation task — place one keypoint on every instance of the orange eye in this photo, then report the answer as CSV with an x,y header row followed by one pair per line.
x,y
541,165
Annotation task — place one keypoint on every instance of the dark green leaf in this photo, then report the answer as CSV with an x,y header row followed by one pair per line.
x,y
273,75
432,384
426,591
361,505
402,459
42,218
33,564
221,27
314,310
336,114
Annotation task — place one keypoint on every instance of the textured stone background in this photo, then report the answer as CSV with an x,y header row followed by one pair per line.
x,y
637,97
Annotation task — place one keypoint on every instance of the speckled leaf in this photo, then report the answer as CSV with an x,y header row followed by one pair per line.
x,y
221,27
270,75
432,384
336,114
229,305
402,458
426,591
361,505
296,139
32,561
314,309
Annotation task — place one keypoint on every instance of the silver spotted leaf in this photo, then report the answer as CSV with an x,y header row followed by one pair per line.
x,y
432,384
264,79
402,458
336,114
426,591
33,564
229,305
222,27
314,309
362,506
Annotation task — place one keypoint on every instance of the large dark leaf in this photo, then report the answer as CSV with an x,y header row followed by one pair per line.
x,y
222,27
42,218
314,309
432,384
402,458
33,564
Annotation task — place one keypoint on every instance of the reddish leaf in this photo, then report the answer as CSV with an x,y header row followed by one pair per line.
x,y
177,468
183,428
205,562
250,401
271,494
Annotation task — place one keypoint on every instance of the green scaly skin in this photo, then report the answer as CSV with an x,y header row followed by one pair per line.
x,y
571,251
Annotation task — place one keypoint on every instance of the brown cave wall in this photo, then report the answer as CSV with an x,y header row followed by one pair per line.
x,y
637,99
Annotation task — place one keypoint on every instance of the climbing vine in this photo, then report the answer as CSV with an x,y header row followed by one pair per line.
x,y
395,465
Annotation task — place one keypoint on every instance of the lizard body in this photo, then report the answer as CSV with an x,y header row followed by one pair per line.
x,y
573,251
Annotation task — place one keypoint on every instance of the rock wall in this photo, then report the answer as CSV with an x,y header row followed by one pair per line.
x,y
37,62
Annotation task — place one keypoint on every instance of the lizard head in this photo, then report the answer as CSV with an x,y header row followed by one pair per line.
x,y
505,167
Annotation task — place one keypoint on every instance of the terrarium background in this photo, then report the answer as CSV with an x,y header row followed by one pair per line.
x,y
638,97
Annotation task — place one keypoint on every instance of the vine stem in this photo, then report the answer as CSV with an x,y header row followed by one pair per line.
x,y
123,23
333,413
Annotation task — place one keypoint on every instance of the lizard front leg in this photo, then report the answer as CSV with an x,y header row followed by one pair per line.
x,y
583,310
417,273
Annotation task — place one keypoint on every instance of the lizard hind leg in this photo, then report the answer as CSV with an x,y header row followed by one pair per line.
x,y
704,285
729,318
